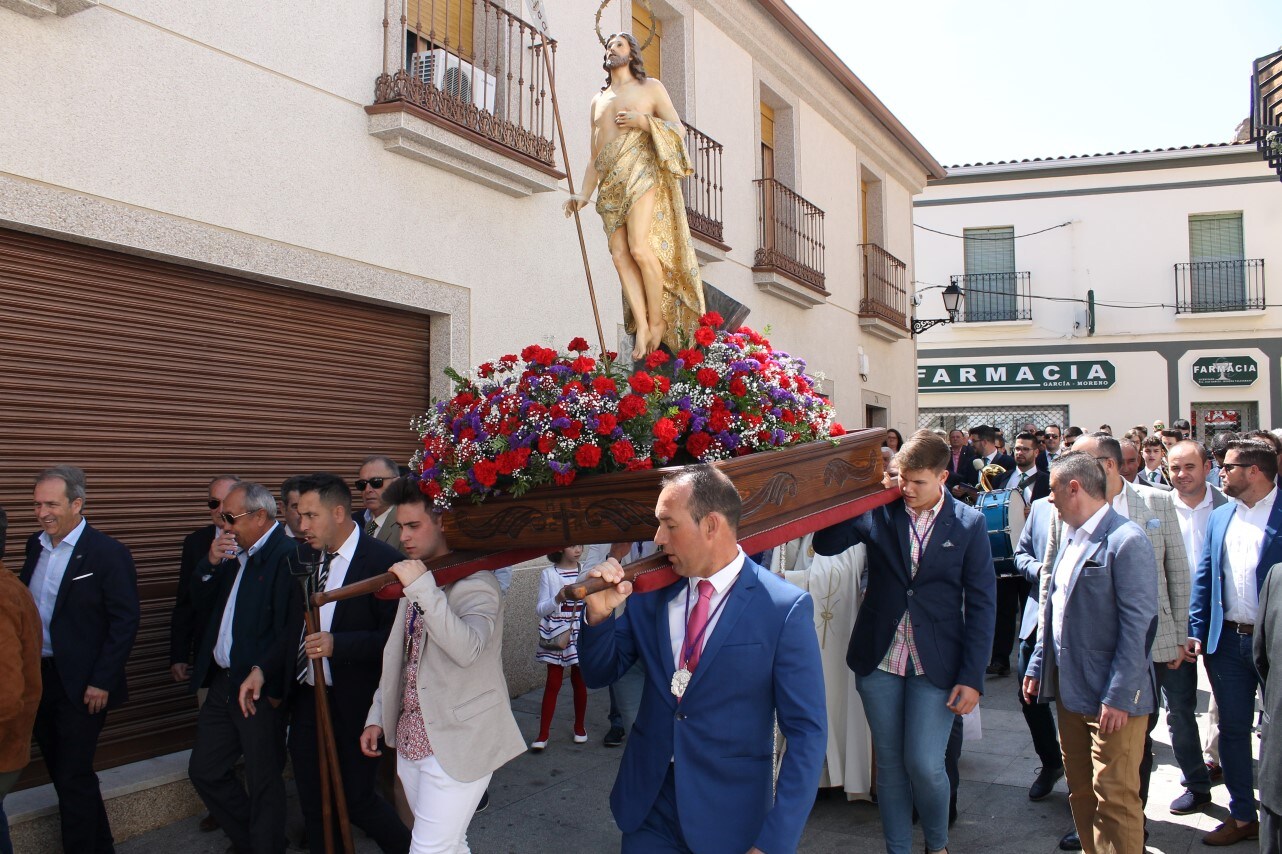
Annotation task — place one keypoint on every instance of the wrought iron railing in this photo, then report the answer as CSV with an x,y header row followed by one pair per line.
x,y
702,190
993,297
1266,108
790,234
885,286
1204,286
477,66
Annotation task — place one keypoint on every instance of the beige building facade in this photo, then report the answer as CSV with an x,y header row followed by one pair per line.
x,y
251,238
1113,289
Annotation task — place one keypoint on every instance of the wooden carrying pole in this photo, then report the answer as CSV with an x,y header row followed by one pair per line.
x,y
331,776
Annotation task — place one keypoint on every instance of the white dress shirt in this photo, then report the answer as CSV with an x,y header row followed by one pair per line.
x,y
680,607
46,578
222,646
1243,541
338,566
1150,476
1120,504
1077,540
1027,492
1193,524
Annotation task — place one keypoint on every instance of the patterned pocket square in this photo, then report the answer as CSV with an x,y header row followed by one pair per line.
x,y
947,544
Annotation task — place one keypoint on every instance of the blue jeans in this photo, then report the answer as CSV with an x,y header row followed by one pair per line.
x,y
1234,682
910,725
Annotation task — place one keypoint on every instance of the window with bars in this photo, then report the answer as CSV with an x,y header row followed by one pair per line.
x,y
1217,272
991,283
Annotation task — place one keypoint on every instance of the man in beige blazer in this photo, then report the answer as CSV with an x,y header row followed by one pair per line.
x,y
442,701
1153,511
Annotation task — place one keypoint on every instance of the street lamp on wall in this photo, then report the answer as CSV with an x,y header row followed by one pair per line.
x,y
952,304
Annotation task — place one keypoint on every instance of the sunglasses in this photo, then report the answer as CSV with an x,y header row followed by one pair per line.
x,y
1226,467
376,482
214,504
230,519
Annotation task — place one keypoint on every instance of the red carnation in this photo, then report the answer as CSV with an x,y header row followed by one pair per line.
x,y
431,488
641,382
461,486
711,319
837,430
486,473
564,479
738,387
663,383
788,416
574,430
575,386
691,357
467,434
639,464
486,369
546,444
698,444
665,430
528,354
665,450
623,452
655,359
509,359
707,377
578,345
605,423
583,364
719,419
604,386
545,356
631,406
587,456
704,336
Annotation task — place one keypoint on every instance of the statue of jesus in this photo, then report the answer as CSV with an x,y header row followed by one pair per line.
x,y
638,161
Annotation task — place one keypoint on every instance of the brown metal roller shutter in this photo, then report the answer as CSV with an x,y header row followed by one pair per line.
x,y
153,377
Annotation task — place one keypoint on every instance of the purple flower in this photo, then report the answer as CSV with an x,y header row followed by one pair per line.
x,y
560,468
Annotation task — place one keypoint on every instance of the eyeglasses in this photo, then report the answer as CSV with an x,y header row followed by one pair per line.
x,y
230,519
376,482
215,503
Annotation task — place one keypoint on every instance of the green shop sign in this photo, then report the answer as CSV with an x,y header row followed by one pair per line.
x,y
1016,376
1226,371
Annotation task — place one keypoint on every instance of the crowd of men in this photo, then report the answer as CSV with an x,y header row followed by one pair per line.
x,y
1126,573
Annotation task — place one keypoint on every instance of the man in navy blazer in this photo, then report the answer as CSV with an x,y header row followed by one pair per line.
x,y
726,651
349,644
1242,543
923,635
1095,635
86,590
243,586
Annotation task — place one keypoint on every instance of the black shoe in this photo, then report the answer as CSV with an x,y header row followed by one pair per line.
x,y
1070,842
952,810
1215,772
1045,782
485,801
614,737
998,668
1190,802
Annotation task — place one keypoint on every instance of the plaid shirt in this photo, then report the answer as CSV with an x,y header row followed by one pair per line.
x,y
903,647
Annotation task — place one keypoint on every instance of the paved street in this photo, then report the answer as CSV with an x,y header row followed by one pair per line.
x,y
545,802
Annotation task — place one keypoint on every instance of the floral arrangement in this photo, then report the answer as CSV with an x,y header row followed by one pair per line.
x,y
1273,143
547,417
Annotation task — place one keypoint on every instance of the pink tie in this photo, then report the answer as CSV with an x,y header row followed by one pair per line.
x,y
697,624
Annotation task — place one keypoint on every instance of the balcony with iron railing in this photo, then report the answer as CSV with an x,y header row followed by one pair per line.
x,y
1266,108
466,86
995,297
702,190
790,243
1202,287
883,306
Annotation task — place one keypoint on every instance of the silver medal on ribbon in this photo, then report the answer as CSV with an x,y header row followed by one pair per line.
x,y
680,681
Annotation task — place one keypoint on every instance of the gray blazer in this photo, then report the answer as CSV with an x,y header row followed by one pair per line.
x,y
461,688
1030,555
1110,617
1268,651
1153,511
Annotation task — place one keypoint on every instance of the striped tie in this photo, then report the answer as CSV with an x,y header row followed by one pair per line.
x,y
304,664
371,527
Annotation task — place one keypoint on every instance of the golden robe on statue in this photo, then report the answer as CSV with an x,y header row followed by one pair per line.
x,y
629,166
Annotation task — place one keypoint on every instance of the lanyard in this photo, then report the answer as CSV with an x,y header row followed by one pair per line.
x,y
687,646
921,540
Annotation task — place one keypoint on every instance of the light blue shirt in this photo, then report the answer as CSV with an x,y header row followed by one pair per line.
x,y
46,580
222,646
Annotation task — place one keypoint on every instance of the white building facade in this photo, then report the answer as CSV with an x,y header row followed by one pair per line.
x,y
1113,289
251,238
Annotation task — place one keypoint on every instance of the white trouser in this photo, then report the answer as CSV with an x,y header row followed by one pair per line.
x,y
442,806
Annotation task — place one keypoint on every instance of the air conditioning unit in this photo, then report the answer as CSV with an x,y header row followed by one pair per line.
x,y
455,77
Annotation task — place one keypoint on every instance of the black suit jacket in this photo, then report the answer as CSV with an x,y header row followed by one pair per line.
x,y
965,470
262,609
185,621
360,628
1043,460
95,617
1041,482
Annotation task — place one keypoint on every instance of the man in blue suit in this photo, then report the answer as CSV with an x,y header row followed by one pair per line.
x,y
1095,634
86,590
726,652
1242,542
923,635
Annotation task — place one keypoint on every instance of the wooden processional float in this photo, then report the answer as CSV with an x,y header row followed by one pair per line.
x,y
786,494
